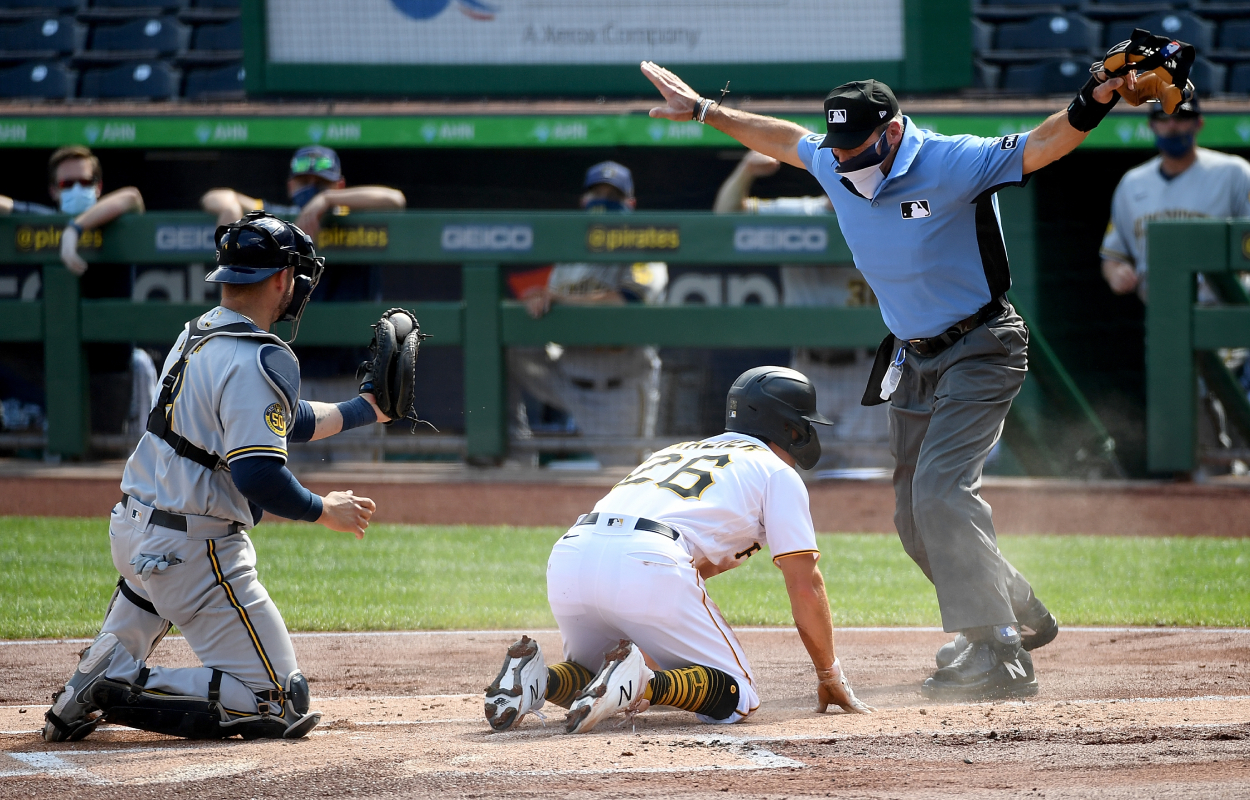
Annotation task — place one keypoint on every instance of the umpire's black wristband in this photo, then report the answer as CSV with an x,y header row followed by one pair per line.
x,y
1084,112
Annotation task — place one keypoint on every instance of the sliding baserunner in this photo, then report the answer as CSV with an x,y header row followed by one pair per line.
x,y
626,583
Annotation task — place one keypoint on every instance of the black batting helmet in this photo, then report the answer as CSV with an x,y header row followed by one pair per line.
x,y
774,404
260,245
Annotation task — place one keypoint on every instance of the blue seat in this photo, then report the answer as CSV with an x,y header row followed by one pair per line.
x,y
43,34
1235,34
48,79
162,35
1177,24
155,80
985,75
1036,3
217,82
1207,77
225,36
1239,80
1071,32
1053,76
148,6
59,5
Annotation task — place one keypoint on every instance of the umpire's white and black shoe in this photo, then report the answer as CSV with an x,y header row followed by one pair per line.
x,y
520,687
619,687
73,714
1038,628
994,666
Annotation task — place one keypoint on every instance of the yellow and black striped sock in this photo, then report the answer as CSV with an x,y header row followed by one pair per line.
x,y
565,680
703,690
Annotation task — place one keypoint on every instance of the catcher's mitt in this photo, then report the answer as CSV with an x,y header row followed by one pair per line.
x,y
390,373
1162,66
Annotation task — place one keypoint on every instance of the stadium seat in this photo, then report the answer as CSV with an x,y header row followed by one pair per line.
x,y
47,79
147,6
215,3
44,35
1035,3
59,5
1207,76
982,36
1055,76
1125,9
1177,24
226,36
1070,32
157,35
1235,35
155,80
1239,80
216,83
986,75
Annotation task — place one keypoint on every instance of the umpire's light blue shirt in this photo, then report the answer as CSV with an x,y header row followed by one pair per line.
x,y
929,241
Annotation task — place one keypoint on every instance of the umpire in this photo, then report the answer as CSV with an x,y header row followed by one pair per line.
x,y
919,212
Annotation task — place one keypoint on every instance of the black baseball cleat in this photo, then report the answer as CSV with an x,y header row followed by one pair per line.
x,y
990,667
1038,628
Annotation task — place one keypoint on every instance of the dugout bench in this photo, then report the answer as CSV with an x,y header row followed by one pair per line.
x,y
483,322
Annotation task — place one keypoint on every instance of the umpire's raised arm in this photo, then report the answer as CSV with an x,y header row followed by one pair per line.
x,y
774,137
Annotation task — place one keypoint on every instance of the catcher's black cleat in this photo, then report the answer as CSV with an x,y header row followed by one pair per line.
x,y
1038,628
990,667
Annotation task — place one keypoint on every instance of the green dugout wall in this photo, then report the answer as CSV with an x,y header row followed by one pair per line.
x,y
483,323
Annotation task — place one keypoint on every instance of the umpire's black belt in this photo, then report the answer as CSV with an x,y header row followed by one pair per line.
x,y
641,524
936,344
175,522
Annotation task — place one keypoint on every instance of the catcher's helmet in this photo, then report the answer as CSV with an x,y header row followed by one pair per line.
x,y
259,246
774,404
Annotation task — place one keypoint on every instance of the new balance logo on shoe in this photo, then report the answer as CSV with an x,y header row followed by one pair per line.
x,y
627,693
1015,670
534,693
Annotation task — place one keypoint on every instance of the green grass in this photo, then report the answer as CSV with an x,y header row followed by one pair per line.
x,y
56,577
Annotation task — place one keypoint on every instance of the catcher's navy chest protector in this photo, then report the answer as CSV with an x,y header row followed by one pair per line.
x,y
279,375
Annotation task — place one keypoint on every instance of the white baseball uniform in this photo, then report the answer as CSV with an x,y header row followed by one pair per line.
x,y
1215,185
726,497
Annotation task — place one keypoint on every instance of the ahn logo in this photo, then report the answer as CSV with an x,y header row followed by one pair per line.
x,y
429,9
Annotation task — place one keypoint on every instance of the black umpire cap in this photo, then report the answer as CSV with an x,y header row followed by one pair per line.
x,y
854,110
1186,110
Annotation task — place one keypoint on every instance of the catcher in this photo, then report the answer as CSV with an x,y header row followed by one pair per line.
x,y
212,461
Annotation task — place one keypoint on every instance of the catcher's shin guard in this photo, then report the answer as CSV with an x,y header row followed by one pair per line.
x,y
74,714
284,714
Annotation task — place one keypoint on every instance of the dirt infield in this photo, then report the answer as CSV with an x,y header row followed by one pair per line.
x,y
1121,714
450,494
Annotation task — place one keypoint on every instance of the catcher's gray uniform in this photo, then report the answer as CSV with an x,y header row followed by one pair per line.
x,y
204,579
1215,185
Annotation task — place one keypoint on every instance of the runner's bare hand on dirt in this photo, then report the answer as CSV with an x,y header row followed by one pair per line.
x,y
347,513
679,97
834,689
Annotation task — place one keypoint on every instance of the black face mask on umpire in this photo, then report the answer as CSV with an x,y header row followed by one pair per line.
x,y
261,245
777,405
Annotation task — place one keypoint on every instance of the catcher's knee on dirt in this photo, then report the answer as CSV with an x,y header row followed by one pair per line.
x,y
280,714
704,690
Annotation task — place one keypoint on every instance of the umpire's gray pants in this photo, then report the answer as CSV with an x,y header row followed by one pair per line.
x,y
945,416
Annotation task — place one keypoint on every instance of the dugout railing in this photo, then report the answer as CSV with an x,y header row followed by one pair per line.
x,y
1183,338
483,323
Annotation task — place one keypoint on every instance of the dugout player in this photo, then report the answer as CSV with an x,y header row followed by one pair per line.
x,y
212,461
919,213
1183,181
626,583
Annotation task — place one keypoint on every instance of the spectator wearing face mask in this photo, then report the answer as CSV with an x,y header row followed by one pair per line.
x,y
75,181
315,186
604,391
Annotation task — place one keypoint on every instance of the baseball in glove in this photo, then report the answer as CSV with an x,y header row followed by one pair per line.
x,y
390,372
1162,66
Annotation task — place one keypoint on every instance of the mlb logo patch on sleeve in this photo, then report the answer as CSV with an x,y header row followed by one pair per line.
x,y
915,209
1009,142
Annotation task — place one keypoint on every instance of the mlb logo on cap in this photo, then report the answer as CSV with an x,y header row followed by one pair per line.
x,y
836,115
